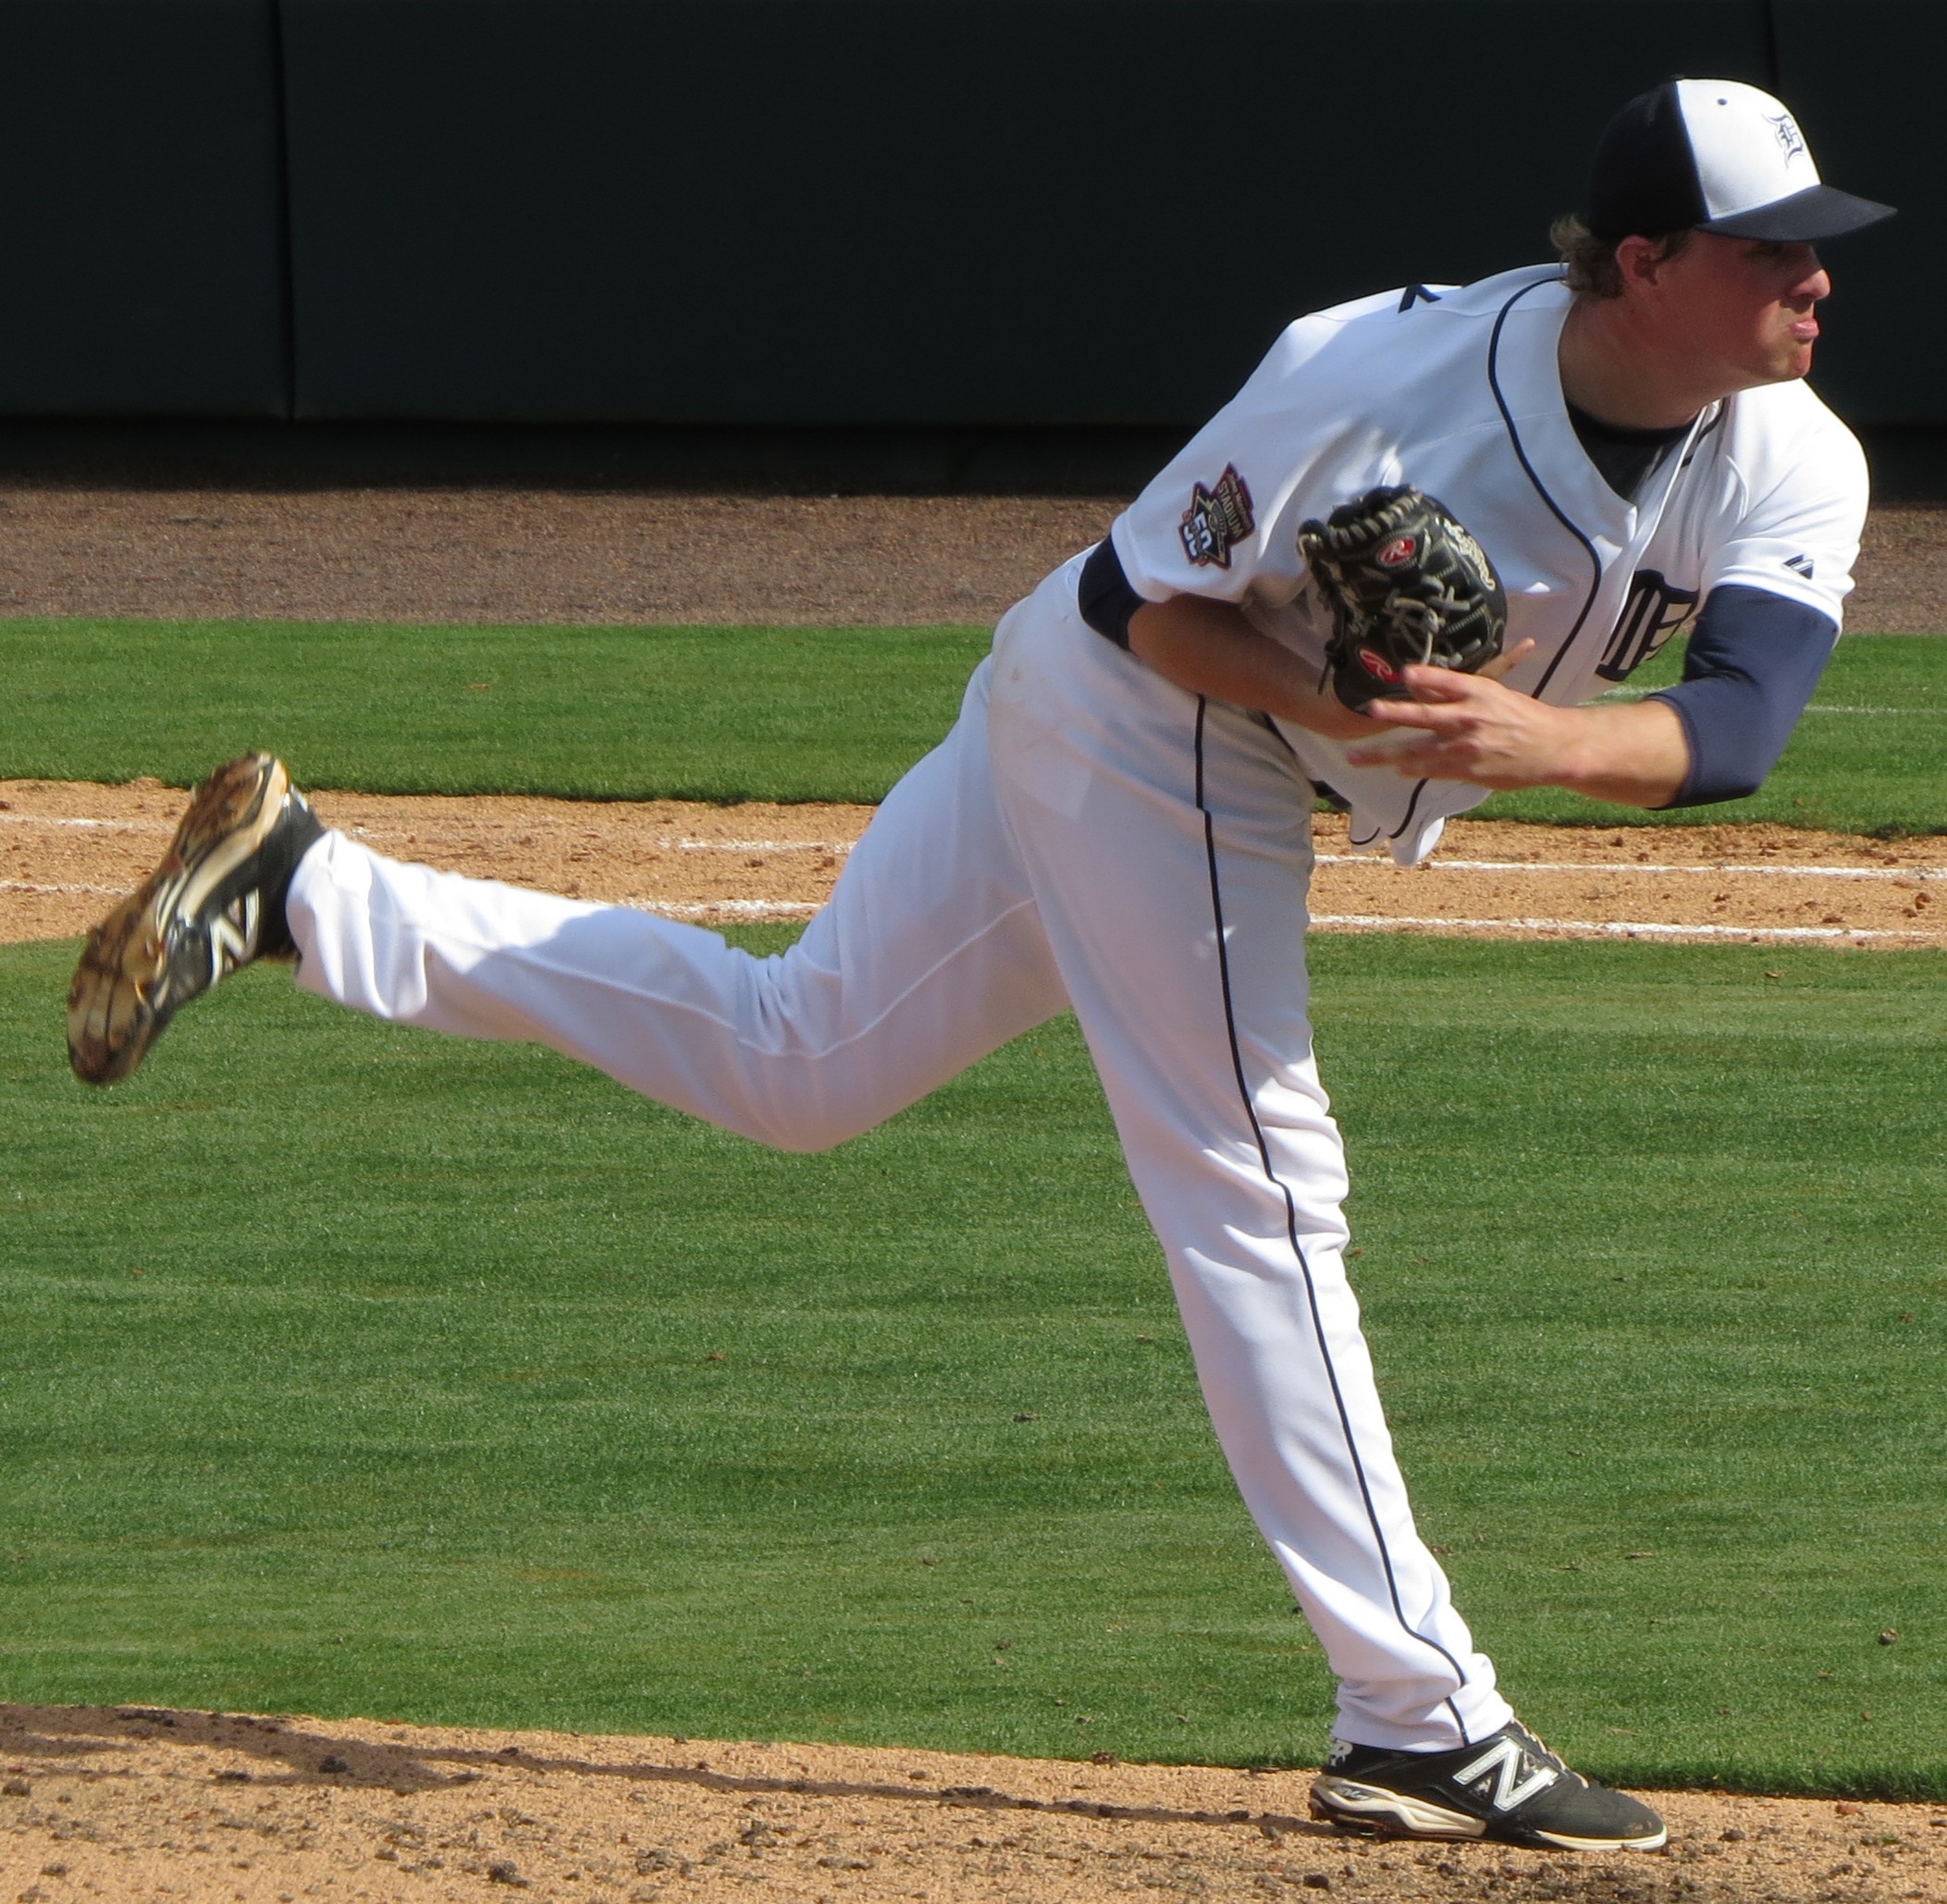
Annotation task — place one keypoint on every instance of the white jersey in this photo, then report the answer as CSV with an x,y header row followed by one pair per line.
x,y
1457,391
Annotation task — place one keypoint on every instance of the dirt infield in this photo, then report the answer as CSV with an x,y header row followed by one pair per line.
x,y
67,851
138,1803
578,556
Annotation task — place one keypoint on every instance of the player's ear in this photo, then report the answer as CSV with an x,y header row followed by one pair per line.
x,y
1639,261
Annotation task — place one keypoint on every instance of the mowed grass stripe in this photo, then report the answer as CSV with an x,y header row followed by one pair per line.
x,y
416,1405
594,713
733,713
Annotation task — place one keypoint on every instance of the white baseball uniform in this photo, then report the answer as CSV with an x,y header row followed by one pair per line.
x,y
1091,836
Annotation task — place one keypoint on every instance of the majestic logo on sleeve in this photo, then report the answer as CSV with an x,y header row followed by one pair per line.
x,y
1653,612
1217,519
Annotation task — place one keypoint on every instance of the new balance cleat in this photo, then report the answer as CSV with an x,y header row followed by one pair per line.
x,y
1511,1788
216,903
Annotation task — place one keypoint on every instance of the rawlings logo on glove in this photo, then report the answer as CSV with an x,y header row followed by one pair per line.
x,y
1408,587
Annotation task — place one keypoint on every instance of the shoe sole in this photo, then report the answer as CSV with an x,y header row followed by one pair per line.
x,y
1377,1812
120,1001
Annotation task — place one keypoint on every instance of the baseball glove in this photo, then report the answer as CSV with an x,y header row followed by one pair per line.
x,y
1407,585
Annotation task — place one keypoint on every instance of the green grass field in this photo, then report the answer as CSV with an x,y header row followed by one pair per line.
x,y
354,1370
595,713
349,1370
725,714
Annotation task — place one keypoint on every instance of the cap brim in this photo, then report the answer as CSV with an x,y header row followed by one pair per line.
x,y
1818,212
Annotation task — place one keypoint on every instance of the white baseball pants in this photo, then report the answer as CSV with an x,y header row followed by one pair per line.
x,y
1087,835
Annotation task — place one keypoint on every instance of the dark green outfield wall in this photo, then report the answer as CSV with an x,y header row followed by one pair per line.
x,y
817,211
141,250
1864,76
830,212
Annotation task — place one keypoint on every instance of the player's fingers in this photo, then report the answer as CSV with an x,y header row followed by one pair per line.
x,y
1437,684
1505,662
1408,714
1445,684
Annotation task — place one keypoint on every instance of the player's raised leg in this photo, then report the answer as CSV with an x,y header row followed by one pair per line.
x,y
929,955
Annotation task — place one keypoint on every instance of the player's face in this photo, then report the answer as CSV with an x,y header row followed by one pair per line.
x,y
1744,309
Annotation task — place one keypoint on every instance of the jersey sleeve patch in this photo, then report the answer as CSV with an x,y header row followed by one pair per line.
x,y
1217,519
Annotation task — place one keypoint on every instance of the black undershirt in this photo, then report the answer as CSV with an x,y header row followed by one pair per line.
x,y
1624,456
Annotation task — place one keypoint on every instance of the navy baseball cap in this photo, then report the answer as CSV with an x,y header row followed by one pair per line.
x,y
1718,155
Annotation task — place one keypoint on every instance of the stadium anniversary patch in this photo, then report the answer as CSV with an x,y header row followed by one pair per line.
x,y
1217,519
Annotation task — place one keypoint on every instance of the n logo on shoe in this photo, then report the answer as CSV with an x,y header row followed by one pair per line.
x,y
233,936
1516,1777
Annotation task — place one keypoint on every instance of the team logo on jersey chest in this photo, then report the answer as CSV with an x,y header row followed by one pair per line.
x,y
1217,519
1653,612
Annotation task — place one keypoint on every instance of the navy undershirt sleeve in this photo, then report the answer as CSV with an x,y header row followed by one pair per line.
x,y
1104,594
1754,660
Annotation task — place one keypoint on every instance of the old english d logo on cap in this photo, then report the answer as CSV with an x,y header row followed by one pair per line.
x,y
1719,155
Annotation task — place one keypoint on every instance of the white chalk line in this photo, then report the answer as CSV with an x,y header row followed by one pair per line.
x,y
840,848
733,908
30,886
40,820
836,847
1714,870
757,909
1610,929
1625,694
1605,929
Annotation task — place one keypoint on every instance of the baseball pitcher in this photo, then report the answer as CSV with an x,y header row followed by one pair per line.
x,y
1399,567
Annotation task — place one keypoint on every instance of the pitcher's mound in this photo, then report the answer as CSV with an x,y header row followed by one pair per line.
x,y
139,1803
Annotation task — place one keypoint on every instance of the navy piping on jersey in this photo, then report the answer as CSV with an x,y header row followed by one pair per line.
x,y
1716,422
1412,806
1298,1249
1555,509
